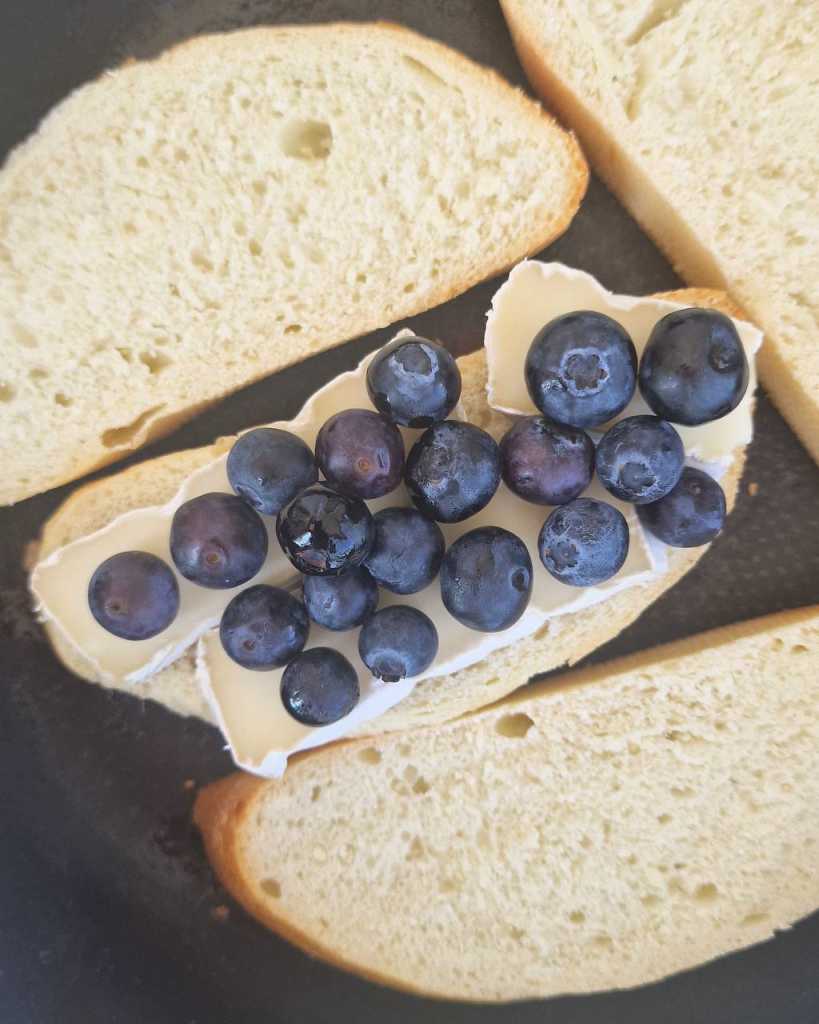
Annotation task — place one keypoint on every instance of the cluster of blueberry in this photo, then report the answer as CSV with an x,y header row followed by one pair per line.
x,y
581,371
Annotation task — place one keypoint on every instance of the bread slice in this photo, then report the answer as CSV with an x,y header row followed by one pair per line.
x,y
703,119
184,226
562,640
600,830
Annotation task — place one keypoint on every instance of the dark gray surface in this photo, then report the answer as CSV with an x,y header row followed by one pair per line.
x,y
106,901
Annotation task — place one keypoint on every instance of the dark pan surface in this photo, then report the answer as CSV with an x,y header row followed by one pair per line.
x,y
108,911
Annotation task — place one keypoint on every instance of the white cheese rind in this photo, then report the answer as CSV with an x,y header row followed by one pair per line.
x,y
535,293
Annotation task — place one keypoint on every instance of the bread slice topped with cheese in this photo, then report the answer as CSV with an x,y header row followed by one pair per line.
x,y
600,830
184,226
188,666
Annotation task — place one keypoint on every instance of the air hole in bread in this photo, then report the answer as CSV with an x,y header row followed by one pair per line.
x,y
24,337
201,262
240,228
254,247
142,161
38,373
799,649
706,893
293,329
63,400
315,794
682,792
514,727
758,917
307,140
270,887
577,917
604,942
409,288
416,850
425,72
7,392
420,786
121,437
650,900
369,755
663,819
155,361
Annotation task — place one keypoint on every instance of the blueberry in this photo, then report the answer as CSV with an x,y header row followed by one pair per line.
x,y
341,602
319,687
581,369
218,541
546,463
453,470
694,369
325,533
693,513
263,628
407,550
640,459
584,543
486,579
361,453
267,467
414,382
134,595
398,642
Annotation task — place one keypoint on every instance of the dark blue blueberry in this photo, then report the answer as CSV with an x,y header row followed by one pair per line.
x,y
414,382
341,602
546,463
263,628
453,471
361,453
486,579
407,550
325,533
693,513
319,687
267,467
398,642
640,459
694,369
584,543
134,595
218,541
581,369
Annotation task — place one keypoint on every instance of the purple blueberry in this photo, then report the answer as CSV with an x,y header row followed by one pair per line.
x,y
267,467
319,687
398,642
263,628
546,463
361,453
218,541
323,532
584,543
134,595
640,459
414,382
407,550
341,602
691,514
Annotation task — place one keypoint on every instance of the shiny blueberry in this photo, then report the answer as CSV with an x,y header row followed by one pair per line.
x,y
546,463
263,628
693,513
414,382
134,595
319,687
267,467
341,602
325,533
361,453
581,369
218,541
407,550
640,459
486,579
453,471
694,369
398,642
584,543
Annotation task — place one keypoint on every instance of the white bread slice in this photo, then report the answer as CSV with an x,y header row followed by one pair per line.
x,y
562,640
182,227
703,119
599,830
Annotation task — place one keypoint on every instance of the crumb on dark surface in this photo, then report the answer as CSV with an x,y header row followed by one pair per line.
x,y
188,785
220,913
753,488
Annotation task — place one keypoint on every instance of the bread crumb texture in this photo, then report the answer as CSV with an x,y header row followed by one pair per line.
x,y
619,825
704,118
182,227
